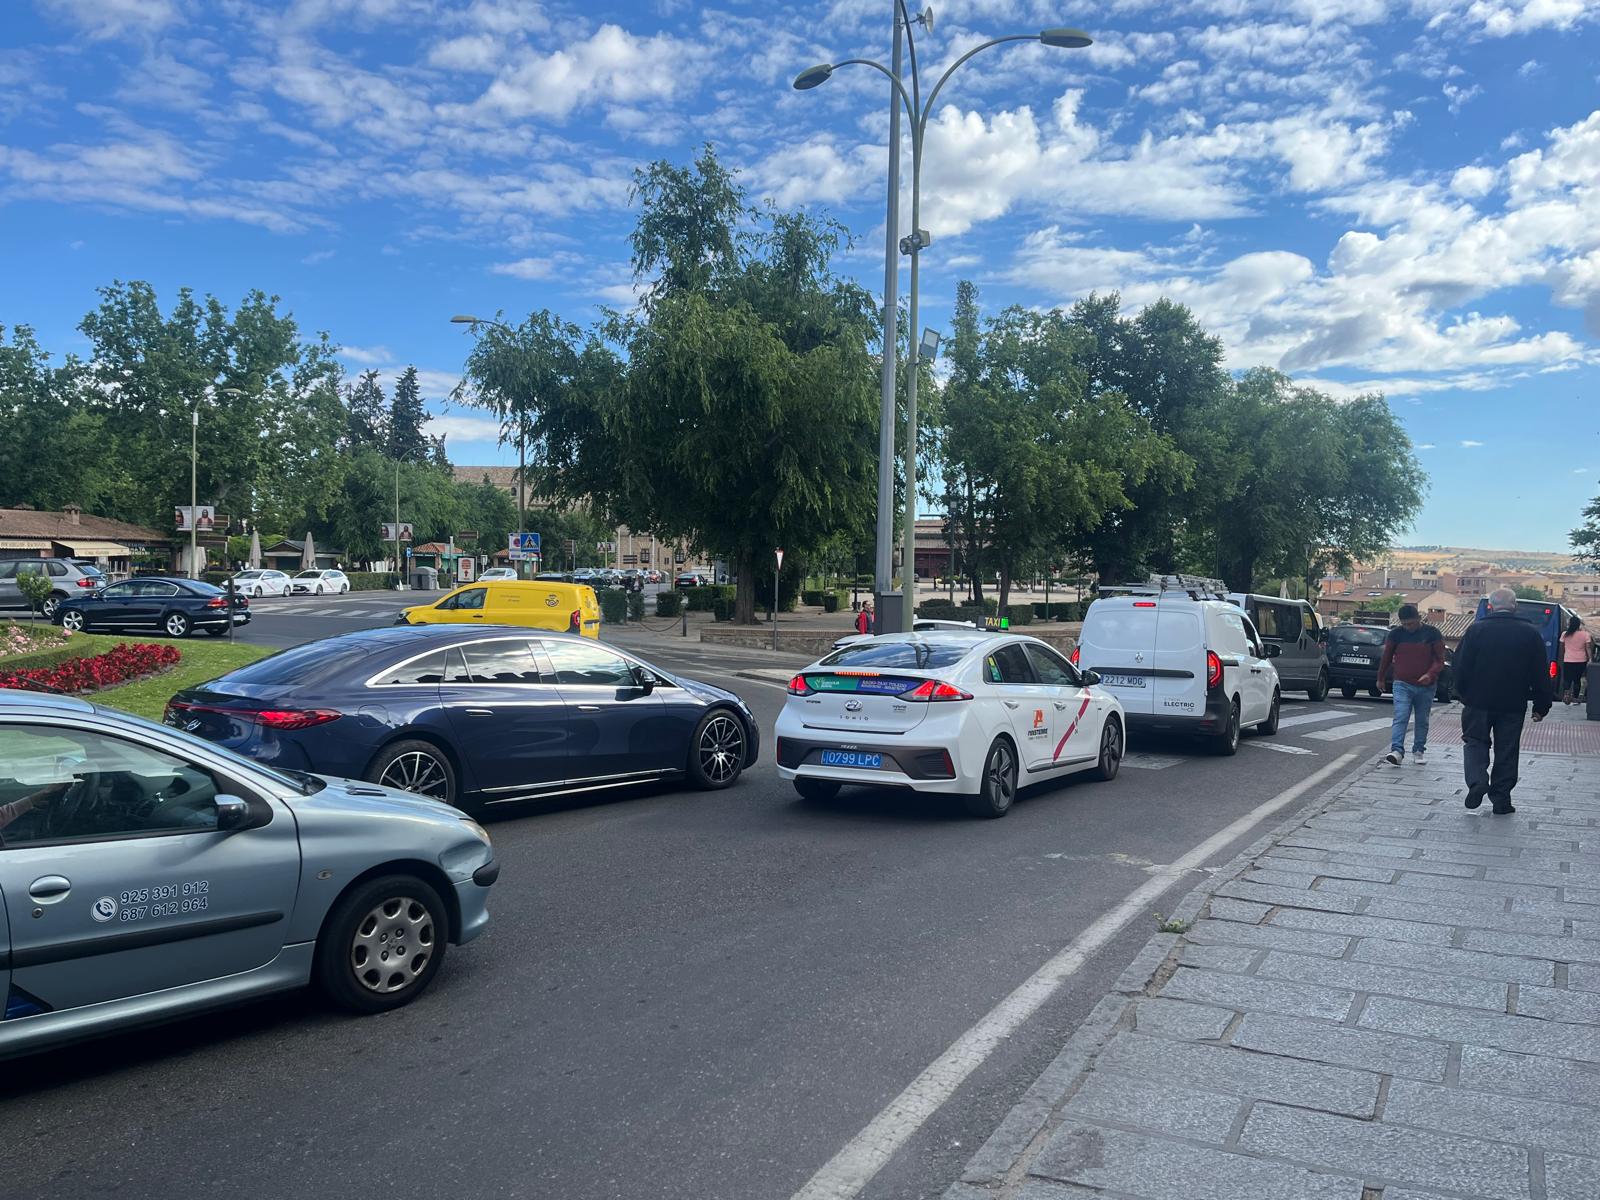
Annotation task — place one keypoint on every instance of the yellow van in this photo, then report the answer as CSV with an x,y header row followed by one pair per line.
x,y
537,604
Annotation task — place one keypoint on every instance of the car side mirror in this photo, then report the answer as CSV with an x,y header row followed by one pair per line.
x,y
1271,650
647,679
1090,678
235,813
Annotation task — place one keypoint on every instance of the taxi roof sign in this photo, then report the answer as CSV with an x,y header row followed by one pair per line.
x,y
997,623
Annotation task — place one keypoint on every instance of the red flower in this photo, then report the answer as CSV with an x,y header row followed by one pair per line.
x,y
93,672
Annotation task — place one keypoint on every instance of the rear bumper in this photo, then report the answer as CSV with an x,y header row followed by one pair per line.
x,y
1211,723
1363,677
924,767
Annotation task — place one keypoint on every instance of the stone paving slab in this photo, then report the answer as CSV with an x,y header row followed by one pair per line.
x,y
1387,998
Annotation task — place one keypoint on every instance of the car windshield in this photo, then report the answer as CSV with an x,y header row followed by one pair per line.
x,y
309,575
1358,637
920,655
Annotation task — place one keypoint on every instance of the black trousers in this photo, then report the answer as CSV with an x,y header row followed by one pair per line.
x,y
1480,729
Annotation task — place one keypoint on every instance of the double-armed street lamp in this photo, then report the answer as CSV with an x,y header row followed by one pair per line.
x,y
917,112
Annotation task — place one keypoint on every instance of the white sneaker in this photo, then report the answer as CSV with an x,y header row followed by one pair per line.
x,y
1420,758
1395,757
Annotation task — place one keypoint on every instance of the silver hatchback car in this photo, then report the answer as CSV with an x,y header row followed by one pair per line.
x,y
146,874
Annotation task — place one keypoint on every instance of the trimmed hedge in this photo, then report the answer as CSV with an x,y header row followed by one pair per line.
x,y
1065,610
613,606
811,597
669,604
373,581
834,601
53,656
722,609
1019,614
635,606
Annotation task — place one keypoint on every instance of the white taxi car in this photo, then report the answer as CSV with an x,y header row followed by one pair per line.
x,y
950,713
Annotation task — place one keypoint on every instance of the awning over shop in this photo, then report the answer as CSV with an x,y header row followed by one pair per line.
x,y
88,549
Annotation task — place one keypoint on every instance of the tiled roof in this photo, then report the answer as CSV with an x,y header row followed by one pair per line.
x,y
38,523
501,477
1453,626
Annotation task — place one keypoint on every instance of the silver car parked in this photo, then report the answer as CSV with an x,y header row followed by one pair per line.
x,y
68,579
146,874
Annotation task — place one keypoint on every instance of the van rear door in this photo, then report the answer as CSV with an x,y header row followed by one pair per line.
x,y
1119,641
1178,686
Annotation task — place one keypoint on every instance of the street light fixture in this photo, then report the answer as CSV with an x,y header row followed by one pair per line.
x,y
917,111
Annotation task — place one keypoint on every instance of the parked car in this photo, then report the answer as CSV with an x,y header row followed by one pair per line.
x,y
1295,629
689,579
319,582
553,577
533,604
943,712
67,579
474,717
175,606
1182,660
1354,652
497,573
263,583
166,876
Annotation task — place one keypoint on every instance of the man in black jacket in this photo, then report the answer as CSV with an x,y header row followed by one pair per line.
x,y
1500,665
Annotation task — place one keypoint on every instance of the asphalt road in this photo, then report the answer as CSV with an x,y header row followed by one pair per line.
x,y
680,994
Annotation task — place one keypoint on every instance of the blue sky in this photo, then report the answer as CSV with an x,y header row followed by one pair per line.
x,y
1390,195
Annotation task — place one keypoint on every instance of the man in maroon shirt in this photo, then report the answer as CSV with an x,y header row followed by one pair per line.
x,y
1413,657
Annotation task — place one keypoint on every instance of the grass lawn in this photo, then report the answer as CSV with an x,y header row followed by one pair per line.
x,y
203,658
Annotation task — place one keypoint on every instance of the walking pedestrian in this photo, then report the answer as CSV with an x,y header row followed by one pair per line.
x,y
1576,646
1413,658
864,618
1500,666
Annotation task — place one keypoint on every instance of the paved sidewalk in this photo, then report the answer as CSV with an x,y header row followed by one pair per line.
x,y
1388,998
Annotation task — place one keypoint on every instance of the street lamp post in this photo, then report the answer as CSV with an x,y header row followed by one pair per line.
x,y
522,460
917,112
194,502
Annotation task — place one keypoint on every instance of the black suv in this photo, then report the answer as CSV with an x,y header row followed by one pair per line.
x,y
1354,652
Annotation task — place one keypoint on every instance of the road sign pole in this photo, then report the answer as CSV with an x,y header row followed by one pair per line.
x,y
776,572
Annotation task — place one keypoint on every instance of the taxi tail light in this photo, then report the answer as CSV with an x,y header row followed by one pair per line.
x,y
935,690
799,687
292,718
1213,669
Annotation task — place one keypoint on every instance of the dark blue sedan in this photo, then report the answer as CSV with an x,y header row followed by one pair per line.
x,y
174,606
474,717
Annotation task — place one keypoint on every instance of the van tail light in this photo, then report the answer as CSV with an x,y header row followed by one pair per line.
x,y
1144,603
934,690
1213,670
1074,656
799,687
575,621
292,718
1552,670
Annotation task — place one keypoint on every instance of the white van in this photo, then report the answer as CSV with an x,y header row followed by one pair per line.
x,y
1182,659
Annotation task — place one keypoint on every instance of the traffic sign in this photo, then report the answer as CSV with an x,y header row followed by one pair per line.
x,y
467,535
524,544
606,547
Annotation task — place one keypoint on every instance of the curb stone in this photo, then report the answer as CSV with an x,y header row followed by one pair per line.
x,y
1002,1159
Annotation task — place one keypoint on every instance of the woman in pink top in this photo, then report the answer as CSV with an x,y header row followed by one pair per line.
x,y
1576,643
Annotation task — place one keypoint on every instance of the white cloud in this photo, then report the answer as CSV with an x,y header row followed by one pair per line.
x,y
115,18
1427,446
1469,444
366,356
459,428
526,268
610,65
1473,182
317,256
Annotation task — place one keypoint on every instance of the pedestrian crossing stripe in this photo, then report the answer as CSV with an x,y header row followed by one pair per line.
x,y
1340,732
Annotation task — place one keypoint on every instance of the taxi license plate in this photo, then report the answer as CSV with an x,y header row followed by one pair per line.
x,y
851,758
1127,681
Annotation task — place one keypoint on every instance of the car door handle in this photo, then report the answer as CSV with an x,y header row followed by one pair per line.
x,y
479,712
1009,703
1060,706
50,887
1255,670
588,708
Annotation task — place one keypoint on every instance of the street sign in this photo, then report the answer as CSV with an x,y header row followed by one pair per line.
x,y
523,545
405,532
631,560
467,535
606,547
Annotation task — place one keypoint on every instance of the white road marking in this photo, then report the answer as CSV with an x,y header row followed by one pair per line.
x,y
865,1154
1333,714
1280,747
1340,732
1150,762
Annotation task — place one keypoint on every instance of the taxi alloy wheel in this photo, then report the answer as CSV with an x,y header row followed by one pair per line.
x,y
997,788
382,943
1110,761
718,754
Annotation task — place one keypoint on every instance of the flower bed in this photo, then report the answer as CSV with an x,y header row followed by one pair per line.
x,y
90,673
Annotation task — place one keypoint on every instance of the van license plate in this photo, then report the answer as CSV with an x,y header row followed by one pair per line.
x,y
851,758
1128,681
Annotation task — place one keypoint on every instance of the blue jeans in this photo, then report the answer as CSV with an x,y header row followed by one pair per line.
x,y
1411,699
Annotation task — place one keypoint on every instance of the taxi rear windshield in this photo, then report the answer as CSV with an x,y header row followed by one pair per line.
x,y
920,656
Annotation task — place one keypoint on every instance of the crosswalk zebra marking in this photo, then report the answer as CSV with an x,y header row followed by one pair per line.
x,y
1340,732
1333,714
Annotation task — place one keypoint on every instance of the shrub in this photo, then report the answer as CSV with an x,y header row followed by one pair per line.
x,y
811,597
834,601
937,602
669,604
34,589
372,581
91,672
635,606
1020,614
721,609
613,606
699,599
220,578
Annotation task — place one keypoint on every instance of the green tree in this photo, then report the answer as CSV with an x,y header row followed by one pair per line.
x,y
407,417
369,413
1586,537
1524,592
46,410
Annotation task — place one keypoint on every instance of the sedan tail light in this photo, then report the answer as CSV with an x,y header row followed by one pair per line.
x,y
799,687
1213,670
217,602
292,718
935,690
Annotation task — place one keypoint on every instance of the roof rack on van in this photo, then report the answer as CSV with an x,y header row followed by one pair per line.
x,y
1197,587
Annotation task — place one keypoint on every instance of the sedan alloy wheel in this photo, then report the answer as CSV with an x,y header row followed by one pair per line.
x,y
417,771
718,754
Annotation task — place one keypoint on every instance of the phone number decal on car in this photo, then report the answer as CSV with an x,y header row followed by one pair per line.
x,y
157,900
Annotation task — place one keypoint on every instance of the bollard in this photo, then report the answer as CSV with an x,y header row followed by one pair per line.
x,y
685,611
